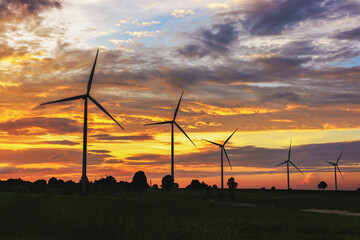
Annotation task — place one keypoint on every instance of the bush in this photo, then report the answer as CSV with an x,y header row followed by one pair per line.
x,y
232,184
322,185
139,182
167,182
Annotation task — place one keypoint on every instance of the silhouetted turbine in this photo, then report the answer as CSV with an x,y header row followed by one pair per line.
x,y
336,166
172,134
223,150
85,97
287,165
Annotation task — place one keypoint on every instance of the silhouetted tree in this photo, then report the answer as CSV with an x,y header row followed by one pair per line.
x,y
273,188
52,181
108,181
139,181
214,187
231,183
39,186
176,185
322,185
195,184
124,186
56,183
40,182
167,182
155,186
14,185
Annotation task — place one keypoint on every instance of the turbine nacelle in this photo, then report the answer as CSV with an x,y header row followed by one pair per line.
x,y
336,165
173,121
289,161
87,95
222,146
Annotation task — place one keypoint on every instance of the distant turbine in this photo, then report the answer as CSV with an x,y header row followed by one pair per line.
x,y
222,147
172,134
287,164
336,166
85,97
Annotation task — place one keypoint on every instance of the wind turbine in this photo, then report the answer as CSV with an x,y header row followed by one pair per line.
x,y
336,166
287,165
173,122
85,97
223,150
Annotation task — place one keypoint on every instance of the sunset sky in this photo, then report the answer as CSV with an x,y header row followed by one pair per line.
x,y
278,70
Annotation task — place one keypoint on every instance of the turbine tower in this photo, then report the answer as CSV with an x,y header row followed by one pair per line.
x,y
223,150
173,122
287,165
85,97
336,166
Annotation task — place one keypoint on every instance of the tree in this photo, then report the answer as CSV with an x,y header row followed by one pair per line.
x,y
195,184
214,187
40,182
167,182
108,181
231,183
322,185
139,181
56,183
155,186
52,181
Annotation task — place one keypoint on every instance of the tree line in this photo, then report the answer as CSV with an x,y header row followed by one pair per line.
x,y
106,184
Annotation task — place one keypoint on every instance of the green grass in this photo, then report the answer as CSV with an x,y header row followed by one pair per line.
x,y
179,214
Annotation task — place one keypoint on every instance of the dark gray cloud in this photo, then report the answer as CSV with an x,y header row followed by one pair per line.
x,y
48,125
287,96
300,48
99,151
215,41
14,12
108,137
353,34
51,155
61,142
275,16
22,8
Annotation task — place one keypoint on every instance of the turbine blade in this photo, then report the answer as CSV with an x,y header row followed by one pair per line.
x,y
158,123
184,133
296,167
227,158
177,108
340,171
92,74
289,151
331,163
104,110
230,137
212,142
339,157
65,99
281,163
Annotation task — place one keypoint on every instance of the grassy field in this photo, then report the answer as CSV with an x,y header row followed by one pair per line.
x,y
182,214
